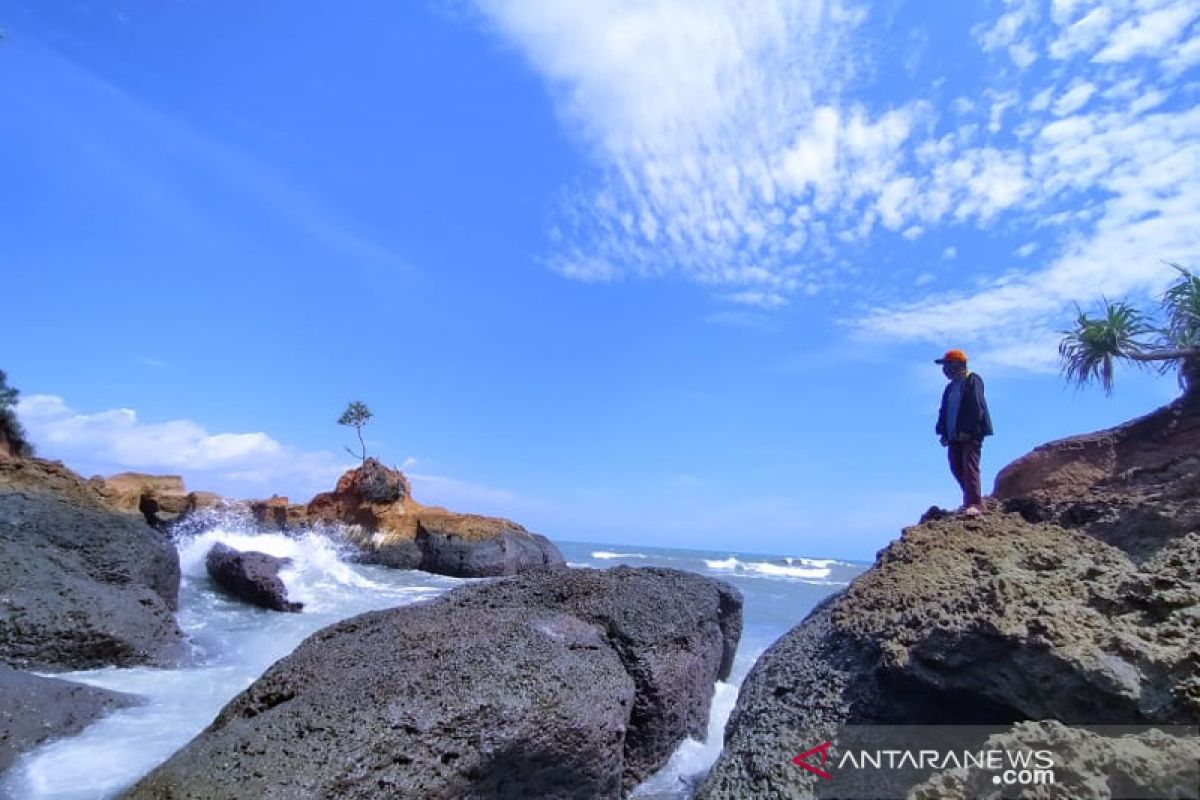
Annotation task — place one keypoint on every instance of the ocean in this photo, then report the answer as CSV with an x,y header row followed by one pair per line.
x,y
232,644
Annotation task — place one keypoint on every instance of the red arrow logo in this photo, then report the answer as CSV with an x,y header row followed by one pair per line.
x,y
802,760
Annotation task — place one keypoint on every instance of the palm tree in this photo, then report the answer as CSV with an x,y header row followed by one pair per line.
x,y
1089,350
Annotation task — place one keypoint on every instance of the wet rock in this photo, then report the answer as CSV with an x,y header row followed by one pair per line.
x,y
556,684
34,710
250,576
83,586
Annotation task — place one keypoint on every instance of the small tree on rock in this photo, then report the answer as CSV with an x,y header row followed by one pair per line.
x,y
356,416
1169,337
10,427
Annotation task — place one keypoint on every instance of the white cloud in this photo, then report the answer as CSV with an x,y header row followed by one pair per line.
x,y
1006,30
735,151
1041,101
758,299
234,464
1083,35
1150,165
243,464
1150,34
1022,54
714,122
1113,184
1074,98
1183,57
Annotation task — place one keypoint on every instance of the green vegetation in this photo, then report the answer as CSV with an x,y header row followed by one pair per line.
x,y
356,415
10,426
1169,337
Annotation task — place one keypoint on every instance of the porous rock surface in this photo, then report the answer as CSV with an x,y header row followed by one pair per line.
x,y
551,684
1038,612
35,709
1100,764
81,585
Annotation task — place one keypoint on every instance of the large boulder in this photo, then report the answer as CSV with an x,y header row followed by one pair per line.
x,y
983,622
251,576
34,710
83,586
551,684
1038,613
676,633
381,518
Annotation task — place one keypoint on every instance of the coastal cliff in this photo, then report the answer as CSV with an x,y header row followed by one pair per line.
x,y
1077,599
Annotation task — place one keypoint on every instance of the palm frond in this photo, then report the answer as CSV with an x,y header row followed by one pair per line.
x,y
1181,303
1088,351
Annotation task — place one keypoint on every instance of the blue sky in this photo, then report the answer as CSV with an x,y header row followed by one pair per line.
x,y
664,272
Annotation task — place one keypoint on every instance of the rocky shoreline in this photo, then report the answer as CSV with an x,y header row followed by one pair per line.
x,y
1075,600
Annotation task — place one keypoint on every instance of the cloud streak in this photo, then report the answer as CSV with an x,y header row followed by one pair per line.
x,y
735,147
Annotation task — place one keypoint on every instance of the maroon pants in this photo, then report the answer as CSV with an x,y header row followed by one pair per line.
x,y
964,465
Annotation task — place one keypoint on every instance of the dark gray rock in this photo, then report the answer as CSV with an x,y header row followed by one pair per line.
x,y
378,484
420,702
507,553
974,622
554,684
396,553
676,633
250,576
83,586
34,710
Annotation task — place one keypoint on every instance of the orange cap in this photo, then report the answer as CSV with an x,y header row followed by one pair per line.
x,y
952,355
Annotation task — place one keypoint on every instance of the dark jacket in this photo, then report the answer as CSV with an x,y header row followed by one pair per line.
x,y
973,417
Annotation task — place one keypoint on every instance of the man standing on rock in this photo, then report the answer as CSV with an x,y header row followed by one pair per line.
x,y
963,421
